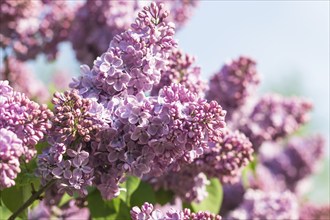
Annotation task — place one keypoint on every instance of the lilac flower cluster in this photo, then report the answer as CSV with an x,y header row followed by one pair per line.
x,y
124,132
32,27
226,159
223,160
10,152
271,118
23,80
275,117
297,160
153,135
147,212
266,205
181,70
134,59
76,121
234,84
27,119
23,123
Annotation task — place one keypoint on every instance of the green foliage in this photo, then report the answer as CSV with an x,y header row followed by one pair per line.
x,y
64,200
41,146
4,212
164,196
212,202
107,210
14,197
144,193
130,186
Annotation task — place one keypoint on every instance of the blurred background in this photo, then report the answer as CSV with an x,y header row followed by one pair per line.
x,y
288,39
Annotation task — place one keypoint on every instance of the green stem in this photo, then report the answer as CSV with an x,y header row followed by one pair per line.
x,y
33,197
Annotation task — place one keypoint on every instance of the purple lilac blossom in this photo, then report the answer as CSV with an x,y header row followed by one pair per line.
x,y
73,117
33,27
181,70
76,122
226,159
142,135
10,152
27,119
134,60
275,117
298,160
148,212
23,80
266,205
315,212
151,135
234,84
194,123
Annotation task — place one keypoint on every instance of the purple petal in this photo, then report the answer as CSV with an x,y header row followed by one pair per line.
x,y
118,86
57,172
67,174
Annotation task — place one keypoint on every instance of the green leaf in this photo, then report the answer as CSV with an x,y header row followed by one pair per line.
x,y
64,200
212,202
102,209
122,213
164,196
14,197
131,184
144,193
4,212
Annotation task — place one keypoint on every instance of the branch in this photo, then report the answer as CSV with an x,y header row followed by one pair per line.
x,y
33,197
